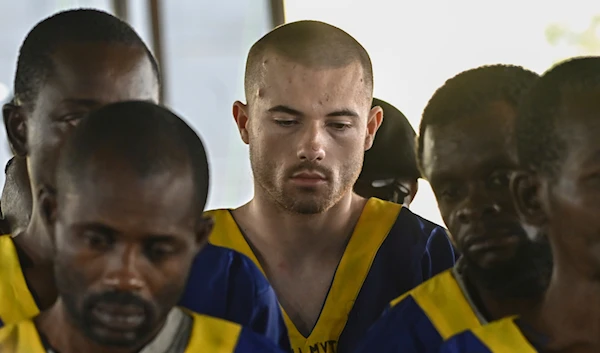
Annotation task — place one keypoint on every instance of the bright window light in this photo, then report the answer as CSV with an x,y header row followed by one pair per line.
x,y
417,45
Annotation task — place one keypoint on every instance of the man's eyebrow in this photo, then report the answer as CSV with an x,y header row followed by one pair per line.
x,y
286,110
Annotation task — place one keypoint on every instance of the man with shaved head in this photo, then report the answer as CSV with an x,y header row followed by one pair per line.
x,y
334,258
70,64
125,220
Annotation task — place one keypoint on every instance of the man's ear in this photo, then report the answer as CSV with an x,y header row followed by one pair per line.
x,y
204,228
373,123
240,114
48,210
16,128
526,191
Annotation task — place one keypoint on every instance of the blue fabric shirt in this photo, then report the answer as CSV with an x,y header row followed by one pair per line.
x,y
226,284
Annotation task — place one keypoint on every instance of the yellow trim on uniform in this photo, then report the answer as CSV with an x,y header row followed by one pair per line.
x,y
445,305
210,334
373,226
503,336
227,234
21,338
16,302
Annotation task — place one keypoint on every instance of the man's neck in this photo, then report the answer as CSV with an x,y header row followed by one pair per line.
x,y
35,241
292,234
35,257
494,307
570,312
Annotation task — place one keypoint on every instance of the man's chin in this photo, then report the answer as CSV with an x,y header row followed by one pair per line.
x,y
117,338
493,263
306,204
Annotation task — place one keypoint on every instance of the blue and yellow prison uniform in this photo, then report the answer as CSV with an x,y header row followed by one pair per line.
x,y
207,334
391,251
422,319
222,283
502,336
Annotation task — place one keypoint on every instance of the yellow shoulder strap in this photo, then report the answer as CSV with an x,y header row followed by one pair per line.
x,y
17,302
445,305
21,338
213,335
503,336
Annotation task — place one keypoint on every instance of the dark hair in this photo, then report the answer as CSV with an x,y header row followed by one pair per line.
x,y
310,43
145,136
393,152
81,25
471,91
539,144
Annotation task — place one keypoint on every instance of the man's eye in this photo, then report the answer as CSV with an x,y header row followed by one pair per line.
x,y
286,123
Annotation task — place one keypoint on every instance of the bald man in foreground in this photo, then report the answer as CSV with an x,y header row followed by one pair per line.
x,y
123,251
335,259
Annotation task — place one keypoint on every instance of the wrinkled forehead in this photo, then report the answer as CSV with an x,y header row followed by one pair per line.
x,y
468,144
287,82
121,198
102,71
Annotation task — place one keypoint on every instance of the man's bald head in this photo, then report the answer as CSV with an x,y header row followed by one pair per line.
x,y
138,137
311,44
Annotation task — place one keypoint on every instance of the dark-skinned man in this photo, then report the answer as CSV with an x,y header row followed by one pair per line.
x,y
557,196
123,251
69,64
467,151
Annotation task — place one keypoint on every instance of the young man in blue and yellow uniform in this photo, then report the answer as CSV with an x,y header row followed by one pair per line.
x,y
466,150
557,194
69,64
334,258
126,223
390,176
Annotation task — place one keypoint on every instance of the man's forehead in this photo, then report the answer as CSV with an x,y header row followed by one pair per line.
x,y
282,69
163,193
84,56
124,216
293,83
104,72
445,145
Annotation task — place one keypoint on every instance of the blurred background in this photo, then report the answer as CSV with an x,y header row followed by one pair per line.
x,y
414,45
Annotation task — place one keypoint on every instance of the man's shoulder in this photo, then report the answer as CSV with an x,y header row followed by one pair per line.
x,y
426,226
426,241
21,336
503,335
217,335
441,282
220,261
404,326
443,302
17,301
422,318
400,217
